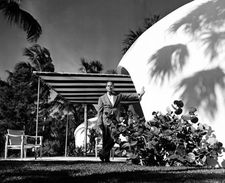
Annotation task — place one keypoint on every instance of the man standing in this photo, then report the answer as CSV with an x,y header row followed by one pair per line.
x,y
108,115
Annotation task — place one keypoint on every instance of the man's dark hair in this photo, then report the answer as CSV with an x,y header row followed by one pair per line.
x,y
109,82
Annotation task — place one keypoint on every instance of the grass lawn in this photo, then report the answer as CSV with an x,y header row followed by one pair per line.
x,y
58,171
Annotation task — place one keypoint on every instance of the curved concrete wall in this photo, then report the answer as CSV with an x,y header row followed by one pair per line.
x,y
183,57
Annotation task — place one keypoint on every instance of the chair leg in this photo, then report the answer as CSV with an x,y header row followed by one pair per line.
x,y
6,152
21,153
96,151
40,152
25,153
6,147
96,148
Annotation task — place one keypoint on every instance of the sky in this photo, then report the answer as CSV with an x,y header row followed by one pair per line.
x,y
75,29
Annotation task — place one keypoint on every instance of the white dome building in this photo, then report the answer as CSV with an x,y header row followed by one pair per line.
x,y
79,133
183,57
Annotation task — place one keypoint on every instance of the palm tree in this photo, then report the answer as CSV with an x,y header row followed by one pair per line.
x,y
148,22
93,66
14,14
39,57
132,36
40,60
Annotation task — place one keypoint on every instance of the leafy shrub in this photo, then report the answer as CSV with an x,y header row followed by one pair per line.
x,y
171,139
51,148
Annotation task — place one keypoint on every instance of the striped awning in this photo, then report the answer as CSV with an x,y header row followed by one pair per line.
x,y
85,88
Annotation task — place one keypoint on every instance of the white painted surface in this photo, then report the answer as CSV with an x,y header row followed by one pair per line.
x,y
79,133
183,57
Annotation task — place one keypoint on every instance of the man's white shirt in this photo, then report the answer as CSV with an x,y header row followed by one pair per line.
x,y
111,98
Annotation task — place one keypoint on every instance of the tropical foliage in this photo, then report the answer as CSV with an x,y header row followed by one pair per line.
x,y
91,66
18,95
54,133
171,139
39,57
14,14
132,36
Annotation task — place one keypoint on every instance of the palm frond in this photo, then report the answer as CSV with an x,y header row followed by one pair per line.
x,y
131,37
148,22
23,19
28,53
21,65
95,66
39,57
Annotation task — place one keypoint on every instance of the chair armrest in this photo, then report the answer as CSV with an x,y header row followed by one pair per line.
x,y
32,136
39,138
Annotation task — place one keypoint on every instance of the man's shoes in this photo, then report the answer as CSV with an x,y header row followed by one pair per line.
x,y
104,159
107,160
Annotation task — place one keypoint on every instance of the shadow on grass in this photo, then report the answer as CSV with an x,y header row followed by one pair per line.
x,y
58,171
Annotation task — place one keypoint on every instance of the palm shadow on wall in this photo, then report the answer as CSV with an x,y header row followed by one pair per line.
x,y
200,89
168,60
213,41
205,24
